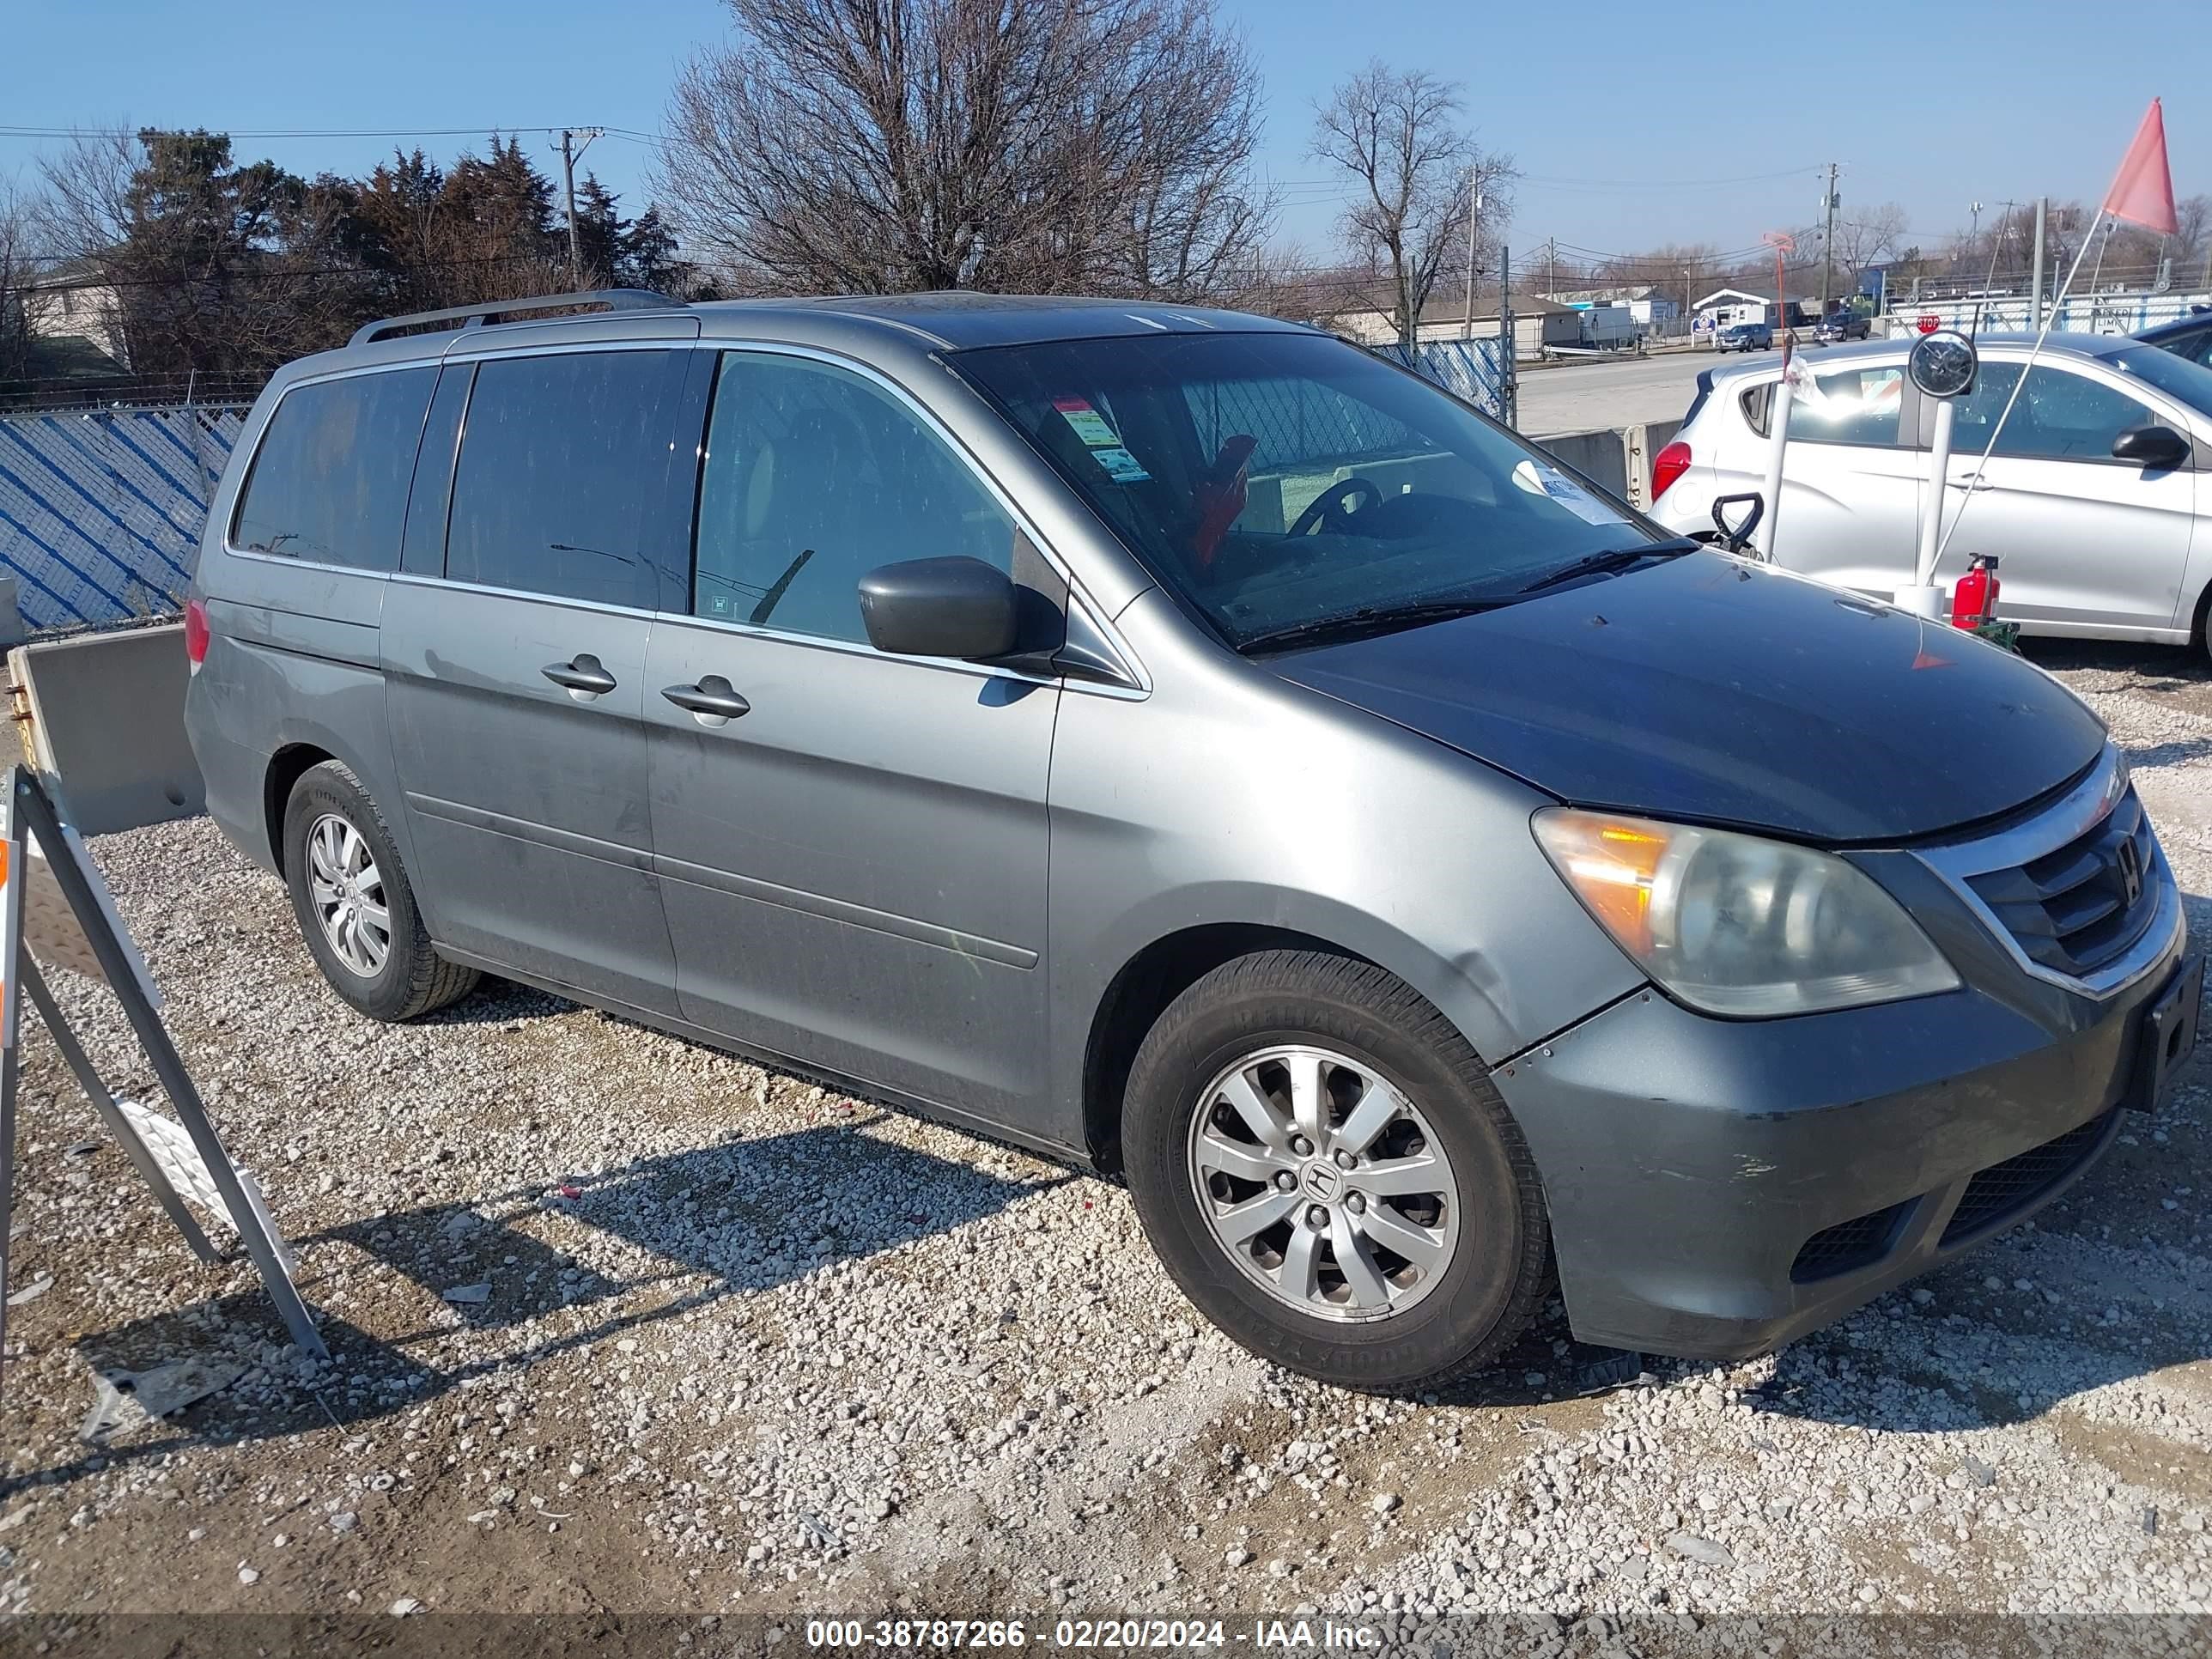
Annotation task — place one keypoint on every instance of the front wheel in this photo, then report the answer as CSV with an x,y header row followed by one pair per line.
x,y
1323,1167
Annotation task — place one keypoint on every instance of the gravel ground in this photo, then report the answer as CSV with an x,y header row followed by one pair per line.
x,y
750,1346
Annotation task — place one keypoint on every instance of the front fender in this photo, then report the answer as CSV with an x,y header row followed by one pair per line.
x,y
1242,799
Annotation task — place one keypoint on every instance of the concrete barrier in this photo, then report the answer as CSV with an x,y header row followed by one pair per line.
x,y
1618,457
1597,456
105,713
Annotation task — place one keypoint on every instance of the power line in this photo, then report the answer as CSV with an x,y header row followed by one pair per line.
x,y
476,132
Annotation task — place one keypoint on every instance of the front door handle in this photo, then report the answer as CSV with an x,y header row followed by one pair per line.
x,y
713,698
584,672
1968,483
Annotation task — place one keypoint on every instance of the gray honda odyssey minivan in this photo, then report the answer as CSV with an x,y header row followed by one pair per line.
x,y
1193,748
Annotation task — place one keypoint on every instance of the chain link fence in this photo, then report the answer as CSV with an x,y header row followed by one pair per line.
x,y
1475,371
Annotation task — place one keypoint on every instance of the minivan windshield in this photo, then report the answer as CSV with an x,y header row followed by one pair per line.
x,y
1283,483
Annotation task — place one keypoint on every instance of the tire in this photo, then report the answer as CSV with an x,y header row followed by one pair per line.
x,y
406,977
1438,1322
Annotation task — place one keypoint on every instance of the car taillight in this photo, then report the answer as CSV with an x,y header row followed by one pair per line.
x,y
1668,465
195,634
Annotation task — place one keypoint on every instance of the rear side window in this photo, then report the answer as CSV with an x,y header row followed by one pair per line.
x,y
563,459
329,484
1863,406
1757,400
1860,406
815,475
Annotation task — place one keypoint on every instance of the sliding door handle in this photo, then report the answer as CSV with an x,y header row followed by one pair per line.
x,y
713,697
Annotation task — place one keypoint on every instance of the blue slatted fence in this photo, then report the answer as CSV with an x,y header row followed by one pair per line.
x,y
101,510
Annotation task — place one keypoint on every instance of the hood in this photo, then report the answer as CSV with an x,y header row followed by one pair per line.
x,y
1712,689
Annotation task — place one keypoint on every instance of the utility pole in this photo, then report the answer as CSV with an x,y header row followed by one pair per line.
x,y
2035,288
569,151
1507,354
1828,239
1474,219
1551,266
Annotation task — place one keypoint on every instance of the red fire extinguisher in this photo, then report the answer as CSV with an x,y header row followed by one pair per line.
x,y
1974,601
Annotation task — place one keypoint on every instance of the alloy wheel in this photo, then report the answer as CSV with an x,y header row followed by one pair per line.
x,y
1323,1183
347,890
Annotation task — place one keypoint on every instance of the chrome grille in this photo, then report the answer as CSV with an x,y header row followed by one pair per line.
x,y
2080,906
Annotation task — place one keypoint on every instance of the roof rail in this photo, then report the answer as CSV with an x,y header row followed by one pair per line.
x,y
614,299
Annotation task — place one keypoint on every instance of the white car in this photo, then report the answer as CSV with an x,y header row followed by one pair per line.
x,y
2093,543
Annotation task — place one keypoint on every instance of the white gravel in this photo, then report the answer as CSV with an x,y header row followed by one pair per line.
x,y
742,1344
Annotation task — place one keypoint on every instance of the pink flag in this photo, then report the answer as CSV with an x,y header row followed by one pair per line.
x,y
2142,189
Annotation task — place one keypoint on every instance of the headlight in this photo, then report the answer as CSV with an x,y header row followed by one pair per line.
x,y
1737,924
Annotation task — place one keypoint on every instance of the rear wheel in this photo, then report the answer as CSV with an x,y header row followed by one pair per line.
x,y
1323,1165
355,904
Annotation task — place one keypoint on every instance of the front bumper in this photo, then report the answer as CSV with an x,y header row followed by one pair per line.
x,y
1720,1187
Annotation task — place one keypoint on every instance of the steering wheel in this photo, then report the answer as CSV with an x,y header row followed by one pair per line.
x,y
1332,509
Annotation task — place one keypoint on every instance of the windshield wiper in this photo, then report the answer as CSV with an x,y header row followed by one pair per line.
x,y
1368,619
1612,558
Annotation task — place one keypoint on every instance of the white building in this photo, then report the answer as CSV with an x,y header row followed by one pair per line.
x,y
74,306
1537,323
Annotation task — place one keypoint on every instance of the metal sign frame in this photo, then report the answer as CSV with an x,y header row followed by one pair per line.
x,y
30,812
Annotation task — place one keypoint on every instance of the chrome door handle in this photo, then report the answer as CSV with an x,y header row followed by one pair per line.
x,y
713,697
584,672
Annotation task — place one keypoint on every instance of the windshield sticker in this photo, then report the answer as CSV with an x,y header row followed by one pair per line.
x,y
1087,423
1566,491
1120,465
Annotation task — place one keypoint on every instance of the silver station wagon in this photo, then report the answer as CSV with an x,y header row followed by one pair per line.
x,y
1186,746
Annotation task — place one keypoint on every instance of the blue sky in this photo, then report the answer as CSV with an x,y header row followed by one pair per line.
x,y
1635,125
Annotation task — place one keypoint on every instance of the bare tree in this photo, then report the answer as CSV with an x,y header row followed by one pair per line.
x,y
2193,246
1867,239
881,146
17,268
1415,173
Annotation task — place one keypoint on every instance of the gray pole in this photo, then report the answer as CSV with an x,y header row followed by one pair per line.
x,y
1507,356
1828,240
568,190
2035,286
1473,217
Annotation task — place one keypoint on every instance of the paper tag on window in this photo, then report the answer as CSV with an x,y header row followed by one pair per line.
x,y
1120,465
1566,491
1087,423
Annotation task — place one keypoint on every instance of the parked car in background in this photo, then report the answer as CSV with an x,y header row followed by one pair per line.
x,y
1838,326
1745,337
1184,745
2096,499
2189,337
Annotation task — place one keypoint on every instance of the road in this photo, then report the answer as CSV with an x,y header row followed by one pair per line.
x,y
1621,392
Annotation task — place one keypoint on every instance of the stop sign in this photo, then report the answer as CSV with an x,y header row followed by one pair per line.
x,y
1929,323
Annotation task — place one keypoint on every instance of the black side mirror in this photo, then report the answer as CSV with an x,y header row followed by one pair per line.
x,y
2158,448
940,608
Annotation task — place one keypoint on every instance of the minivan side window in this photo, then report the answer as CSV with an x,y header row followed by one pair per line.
x,y
813,476
563,460
328,482
2061,416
